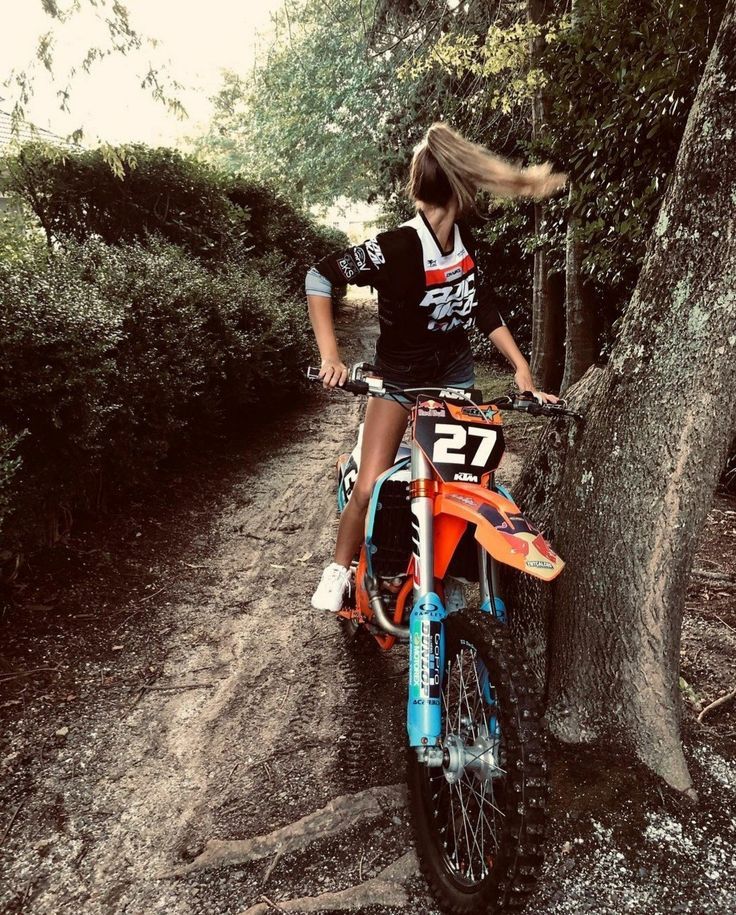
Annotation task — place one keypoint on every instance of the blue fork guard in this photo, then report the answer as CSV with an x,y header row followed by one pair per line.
x,y
426,664
426,667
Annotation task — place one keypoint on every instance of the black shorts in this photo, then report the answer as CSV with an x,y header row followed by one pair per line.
x,y
439,370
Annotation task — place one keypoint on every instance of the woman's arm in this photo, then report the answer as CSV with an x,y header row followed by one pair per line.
x,y
360,265
489,321
333,370
506,345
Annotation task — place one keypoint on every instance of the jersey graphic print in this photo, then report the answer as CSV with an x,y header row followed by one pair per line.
x,y
364,258
450,295
374,252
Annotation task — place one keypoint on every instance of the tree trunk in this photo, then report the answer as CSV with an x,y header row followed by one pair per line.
x,y
547,319
581,329
625,495
546,307
581,336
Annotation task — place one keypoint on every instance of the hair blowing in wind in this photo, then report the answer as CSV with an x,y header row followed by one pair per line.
x,y
470,167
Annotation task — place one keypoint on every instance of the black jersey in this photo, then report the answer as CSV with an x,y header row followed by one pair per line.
x,y
427,298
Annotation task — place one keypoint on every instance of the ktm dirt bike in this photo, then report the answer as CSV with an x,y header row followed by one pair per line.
x,y
477,771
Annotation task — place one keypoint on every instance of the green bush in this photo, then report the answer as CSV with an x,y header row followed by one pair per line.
x,y
280,240
78,195
168,297
112,355
9,464
214,217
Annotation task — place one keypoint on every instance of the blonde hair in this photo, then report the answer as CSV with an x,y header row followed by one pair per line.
x,y
446,164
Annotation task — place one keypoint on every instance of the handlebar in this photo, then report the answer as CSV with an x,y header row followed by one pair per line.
x,y
526,402
352,386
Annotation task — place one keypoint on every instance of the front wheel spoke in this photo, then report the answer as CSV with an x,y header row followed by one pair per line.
x,y
464,823
481,753
470,715
446,696
478,831
491,827
479,797
468,828
479,705
454,828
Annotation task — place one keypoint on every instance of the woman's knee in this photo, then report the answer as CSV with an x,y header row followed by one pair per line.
x,y
362,490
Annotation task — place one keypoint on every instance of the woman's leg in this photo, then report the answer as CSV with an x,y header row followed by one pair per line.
x,y
385,423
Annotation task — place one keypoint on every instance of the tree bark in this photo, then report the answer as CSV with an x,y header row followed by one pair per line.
x,y
624,496
547,319
581,327
546,357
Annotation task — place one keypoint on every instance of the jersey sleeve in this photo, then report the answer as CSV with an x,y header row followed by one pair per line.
x,y
383,262
365,264
488,315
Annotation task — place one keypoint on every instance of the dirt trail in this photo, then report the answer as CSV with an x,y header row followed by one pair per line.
x,y
253,715
186,695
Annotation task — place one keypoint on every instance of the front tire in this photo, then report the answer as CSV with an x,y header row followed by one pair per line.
x,y
479,819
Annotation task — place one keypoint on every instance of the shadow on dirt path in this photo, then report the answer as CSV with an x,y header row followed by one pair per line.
x,y
167,691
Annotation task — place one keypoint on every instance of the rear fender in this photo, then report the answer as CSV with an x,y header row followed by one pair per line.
x,y
500,528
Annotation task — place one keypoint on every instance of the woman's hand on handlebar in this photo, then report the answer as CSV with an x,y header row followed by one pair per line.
x,y
523,379
333,372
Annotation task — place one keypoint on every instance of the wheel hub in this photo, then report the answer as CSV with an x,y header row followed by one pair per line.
x,y
479,758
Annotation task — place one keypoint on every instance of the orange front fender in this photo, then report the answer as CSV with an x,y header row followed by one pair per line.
x,y
500,528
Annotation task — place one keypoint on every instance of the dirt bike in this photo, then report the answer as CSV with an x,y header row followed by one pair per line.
x,y
477,771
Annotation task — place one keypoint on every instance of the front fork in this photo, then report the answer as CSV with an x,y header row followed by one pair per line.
x,y
490,602
426,623
426,628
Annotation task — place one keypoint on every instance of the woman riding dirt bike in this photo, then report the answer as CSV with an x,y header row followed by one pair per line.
x,y
430,291
477,773
477,769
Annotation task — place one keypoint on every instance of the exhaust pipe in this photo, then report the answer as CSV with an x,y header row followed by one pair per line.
x,y
379,611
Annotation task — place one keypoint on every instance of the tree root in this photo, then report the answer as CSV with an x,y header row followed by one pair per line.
x,y
717,703
339,815
388,889
658,748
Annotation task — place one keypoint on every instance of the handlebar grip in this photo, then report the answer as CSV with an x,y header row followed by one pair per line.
x,y
353,387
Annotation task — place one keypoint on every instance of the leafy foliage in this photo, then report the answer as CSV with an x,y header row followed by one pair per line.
x,y
165,300
309,118
619,80
9,465
500,58
77,195
279,239
18,235
623,82
111,356
160,192
507,260
113,33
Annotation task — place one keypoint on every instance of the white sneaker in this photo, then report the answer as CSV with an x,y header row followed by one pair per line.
x,y
331,590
